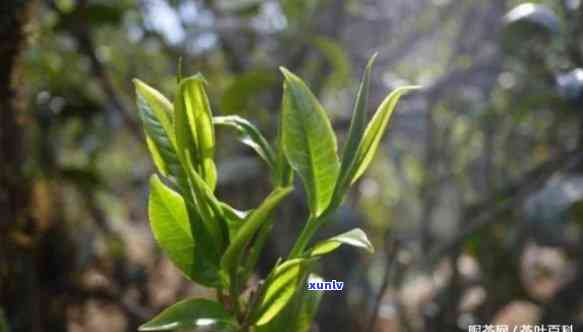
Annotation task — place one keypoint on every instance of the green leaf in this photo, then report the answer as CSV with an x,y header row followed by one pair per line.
x,y
197,314
250,226
3,322
208,207
234,218
174,233
170,225
239,94
309,142
156,115
375,130
298,314
337,59
283,175
310,302
280,287
355,134
250,136
356,238
194,128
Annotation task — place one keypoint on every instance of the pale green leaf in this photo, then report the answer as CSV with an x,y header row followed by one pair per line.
x,y
280,287
356,238
309,142
208,206
375,130
283,175
194,128
299,313
193,314
156,115
355,134
170,225
250,226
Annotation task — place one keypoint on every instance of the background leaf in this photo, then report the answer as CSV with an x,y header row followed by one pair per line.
x,y
238,95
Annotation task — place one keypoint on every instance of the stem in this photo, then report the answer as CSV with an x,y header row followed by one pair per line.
x,y
305,236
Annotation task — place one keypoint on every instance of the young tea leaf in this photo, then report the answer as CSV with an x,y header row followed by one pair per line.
x,y
157,119
355,134
194,128
309,142
208,207
298,314
250,136
192,314
170,225
280,287
169,220
356,238
375,130
251,224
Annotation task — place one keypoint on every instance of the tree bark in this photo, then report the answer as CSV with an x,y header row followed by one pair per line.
x,y
25,295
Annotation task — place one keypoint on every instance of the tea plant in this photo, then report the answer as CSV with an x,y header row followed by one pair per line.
x,y
217,246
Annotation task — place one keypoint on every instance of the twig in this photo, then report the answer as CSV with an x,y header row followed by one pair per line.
x,y
514,195
81,31
391,250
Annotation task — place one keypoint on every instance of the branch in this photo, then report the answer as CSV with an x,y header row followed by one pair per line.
x,y
81,31
486,213
391,262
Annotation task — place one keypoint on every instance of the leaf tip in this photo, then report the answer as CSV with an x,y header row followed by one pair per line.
x,y
372,60
288,75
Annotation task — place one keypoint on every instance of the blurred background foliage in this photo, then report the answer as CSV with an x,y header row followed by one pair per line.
x,y
474,203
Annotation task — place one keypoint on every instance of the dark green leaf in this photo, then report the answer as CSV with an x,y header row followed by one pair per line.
x,y
3,322
197,314
309,142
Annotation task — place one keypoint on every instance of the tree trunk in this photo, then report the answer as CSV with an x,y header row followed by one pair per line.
x,y
25,295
